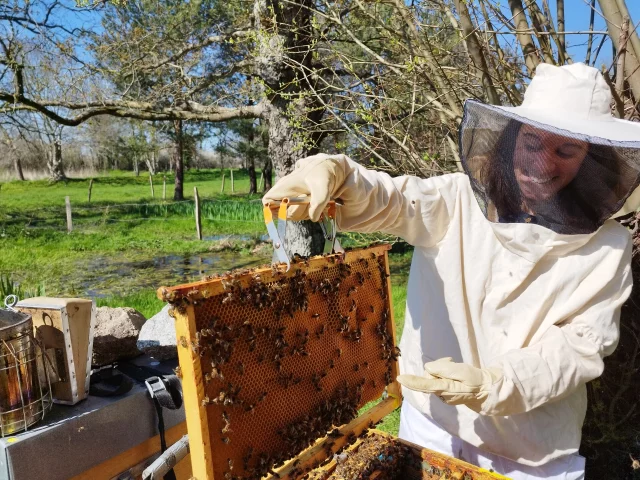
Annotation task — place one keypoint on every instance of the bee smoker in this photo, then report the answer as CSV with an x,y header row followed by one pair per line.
x,y
25,391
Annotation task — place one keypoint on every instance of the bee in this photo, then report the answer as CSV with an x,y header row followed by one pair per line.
x,y
356,367
227,423
230,462
183,342
260,358
339,351
240,368
372,308
262,397
249,408
226,440
315,315
353,306
332,363
365,364
215,373
178,371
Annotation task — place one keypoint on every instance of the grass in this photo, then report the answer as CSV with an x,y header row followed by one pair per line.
x,y
145,301
115,188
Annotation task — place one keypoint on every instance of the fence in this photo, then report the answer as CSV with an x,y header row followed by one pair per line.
x,y
82,216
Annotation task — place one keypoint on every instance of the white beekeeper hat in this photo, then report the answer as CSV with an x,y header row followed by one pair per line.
x,y
572,101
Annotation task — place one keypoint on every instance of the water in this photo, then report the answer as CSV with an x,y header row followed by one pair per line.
x,y
241,238
105,275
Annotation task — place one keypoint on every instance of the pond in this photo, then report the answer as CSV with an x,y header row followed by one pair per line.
x,y
105,276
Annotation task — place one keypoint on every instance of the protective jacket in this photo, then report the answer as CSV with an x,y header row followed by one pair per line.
x,y
543,307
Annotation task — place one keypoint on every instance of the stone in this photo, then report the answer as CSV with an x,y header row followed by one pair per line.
x,y
157,337
115,334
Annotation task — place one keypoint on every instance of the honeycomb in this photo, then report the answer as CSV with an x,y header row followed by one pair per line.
x,y
285,357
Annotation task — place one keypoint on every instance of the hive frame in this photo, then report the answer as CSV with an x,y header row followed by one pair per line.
x,y
194,389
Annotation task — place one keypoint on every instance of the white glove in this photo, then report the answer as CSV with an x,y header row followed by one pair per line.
x,y
319,176
454,383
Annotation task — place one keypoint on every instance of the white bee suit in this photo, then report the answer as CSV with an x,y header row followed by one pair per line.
x,y
542,306
518,274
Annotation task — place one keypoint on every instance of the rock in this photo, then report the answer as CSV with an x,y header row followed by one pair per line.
x,y
158,336
116,334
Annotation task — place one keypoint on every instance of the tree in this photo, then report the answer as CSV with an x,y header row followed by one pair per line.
x,y
250,145
391,76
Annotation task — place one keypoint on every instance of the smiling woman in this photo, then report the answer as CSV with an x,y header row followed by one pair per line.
x,y
544,163
525,172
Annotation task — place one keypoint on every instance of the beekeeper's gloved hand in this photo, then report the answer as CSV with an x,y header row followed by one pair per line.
x,y
454,383
319,176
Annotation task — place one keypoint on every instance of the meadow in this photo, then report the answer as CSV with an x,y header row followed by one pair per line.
x,y
126,243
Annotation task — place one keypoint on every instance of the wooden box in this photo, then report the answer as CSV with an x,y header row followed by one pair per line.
x,y
65,328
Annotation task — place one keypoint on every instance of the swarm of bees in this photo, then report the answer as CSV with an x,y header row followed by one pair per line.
x,y
320,335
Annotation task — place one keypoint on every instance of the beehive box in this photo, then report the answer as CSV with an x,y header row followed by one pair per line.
x,y
276,364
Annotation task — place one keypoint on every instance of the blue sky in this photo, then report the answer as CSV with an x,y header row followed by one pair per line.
x,y
577,18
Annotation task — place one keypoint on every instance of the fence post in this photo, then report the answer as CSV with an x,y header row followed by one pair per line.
x,y
164,187
232,185
196,199
222,188
151,183
90,187
67,203
260,182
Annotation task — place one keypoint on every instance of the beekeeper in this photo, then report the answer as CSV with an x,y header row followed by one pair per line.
x,y
518,273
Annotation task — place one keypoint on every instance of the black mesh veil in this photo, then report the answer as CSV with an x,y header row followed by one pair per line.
x,y
524,171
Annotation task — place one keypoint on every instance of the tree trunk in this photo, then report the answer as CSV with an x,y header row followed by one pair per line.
x,y
179,161
251,163
136,167
54,163
151,162
613,15
268,174
286,40
304,238
525,39
476,54
18,167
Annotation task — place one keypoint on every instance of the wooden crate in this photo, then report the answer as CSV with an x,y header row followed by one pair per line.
x,y
65,328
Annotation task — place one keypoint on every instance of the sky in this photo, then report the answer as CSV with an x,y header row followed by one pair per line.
x,y
577,18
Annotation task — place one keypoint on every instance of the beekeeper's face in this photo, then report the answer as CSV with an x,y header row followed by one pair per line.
x,y
545,162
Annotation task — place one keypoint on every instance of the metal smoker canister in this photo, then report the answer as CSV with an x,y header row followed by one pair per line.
x,y
25,393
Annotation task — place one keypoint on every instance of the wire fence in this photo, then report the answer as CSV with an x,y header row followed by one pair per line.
x,y
82,217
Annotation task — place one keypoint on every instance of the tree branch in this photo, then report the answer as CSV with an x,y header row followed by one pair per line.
x,y
129,109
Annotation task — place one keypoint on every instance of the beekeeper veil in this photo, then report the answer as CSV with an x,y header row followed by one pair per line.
x,y
561,160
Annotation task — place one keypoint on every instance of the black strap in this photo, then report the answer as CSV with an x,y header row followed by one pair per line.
x,y
166,392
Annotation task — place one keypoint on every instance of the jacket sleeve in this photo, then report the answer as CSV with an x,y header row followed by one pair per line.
x,y
416,209
569,354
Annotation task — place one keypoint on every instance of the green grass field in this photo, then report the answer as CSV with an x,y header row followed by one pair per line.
x,y
124,225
